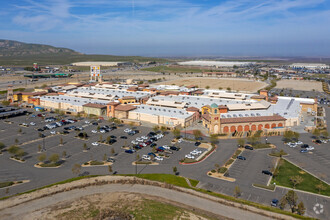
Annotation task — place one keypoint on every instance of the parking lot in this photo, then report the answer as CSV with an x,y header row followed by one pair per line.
x,y
246,172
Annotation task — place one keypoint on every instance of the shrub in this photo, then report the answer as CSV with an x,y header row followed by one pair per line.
x,y
222,169
213,171
230,161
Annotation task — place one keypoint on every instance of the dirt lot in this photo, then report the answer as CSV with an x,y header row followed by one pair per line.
x,y
242,85
118,206
302,85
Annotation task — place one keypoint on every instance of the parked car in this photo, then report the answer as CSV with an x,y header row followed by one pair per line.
x,y
241,158
113,136
110,159
189,156
153,145
32,123
274,202
197,143
93,131
53,132
248,147
174,148
129,151
152,154
146,157
95,123
123,137
303,151
159,158
95,144
267,172
304,146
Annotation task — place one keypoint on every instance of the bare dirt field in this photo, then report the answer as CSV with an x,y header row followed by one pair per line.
x,y
235,84
302,85
118,206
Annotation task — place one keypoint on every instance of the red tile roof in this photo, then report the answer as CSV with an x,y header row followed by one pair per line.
x,y
193,109
251,119
125,108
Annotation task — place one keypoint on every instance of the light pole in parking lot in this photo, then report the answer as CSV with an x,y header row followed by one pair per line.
x,y
135,162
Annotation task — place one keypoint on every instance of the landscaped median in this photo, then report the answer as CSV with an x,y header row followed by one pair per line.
x,y
220,172
210,149
168,181
96,163
12,183
291,176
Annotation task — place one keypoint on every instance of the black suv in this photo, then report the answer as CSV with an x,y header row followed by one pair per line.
x,y
267,172
174,148
248,147
197,143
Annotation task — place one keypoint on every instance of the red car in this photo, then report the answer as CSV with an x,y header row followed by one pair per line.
x,y
160,150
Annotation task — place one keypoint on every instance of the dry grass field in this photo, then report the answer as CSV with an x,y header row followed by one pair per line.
x,y
302,85
235,84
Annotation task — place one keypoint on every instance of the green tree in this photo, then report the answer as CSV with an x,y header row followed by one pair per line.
x,y
16,141
241,142
213,138
20,153
5,102
316,132
296,135
42,157
228,88
76,168
110,169
155,128
2,146
64,154
20,130
320,187
112,151
295,180
85,146
54,158
100,138
325,134
98,128
39,148
176,132
13,149
175,170
163,129
301,208
105,157
207,87
291,198
283,202
197,134
237,191
108,139
61,141
220,88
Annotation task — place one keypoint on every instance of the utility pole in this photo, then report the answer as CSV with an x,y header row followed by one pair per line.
x,y
135,162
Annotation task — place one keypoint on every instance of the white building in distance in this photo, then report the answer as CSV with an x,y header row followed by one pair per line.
x,y
215,63
310,65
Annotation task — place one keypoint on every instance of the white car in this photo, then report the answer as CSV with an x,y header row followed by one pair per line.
x,y
292,145
102,131
146,157
144,144
53,132
144,137
94,131
166,147
180,140
87,122
289,143
189,156
195,152
299,142
134,142
139,139
159,158
127,130
310,148
32,123
95,144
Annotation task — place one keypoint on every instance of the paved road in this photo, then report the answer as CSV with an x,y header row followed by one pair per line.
x,y
22,211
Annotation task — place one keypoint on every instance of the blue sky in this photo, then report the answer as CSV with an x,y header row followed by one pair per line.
x,y
172,27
